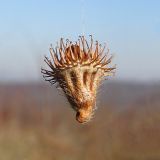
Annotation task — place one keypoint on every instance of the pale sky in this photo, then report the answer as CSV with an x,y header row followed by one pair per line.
x,y
130,28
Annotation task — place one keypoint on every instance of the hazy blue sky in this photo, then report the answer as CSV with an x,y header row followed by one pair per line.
x,y
130,28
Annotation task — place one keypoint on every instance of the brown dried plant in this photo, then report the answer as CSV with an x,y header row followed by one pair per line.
x,y
78,68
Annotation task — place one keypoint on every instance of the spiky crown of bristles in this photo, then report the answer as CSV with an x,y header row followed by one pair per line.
x,y
68,55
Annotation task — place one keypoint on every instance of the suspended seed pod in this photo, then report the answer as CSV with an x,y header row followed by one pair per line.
x,y
78,71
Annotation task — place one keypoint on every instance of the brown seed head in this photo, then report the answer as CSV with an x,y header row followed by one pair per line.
x,y
78,69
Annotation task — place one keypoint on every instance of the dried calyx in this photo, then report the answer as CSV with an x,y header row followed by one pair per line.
x,y
78,69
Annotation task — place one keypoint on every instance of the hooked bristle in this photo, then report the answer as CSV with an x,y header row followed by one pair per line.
x,y
78,69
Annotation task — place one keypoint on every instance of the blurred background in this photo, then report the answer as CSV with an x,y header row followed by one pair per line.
x,y
36,121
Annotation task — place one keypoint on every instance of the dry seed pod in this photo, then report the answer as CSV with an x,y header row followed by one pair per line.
x,y
78,69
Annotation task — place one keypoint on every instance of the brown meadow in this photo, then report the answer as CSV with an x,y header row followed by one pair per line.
x,y
37,123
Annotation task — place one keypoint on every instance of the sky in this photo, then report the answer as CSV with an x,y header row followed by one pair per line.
x,y
131,30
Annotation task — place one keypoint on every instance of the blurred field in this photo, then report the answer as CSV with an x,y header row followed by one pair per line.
x,y
36,123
